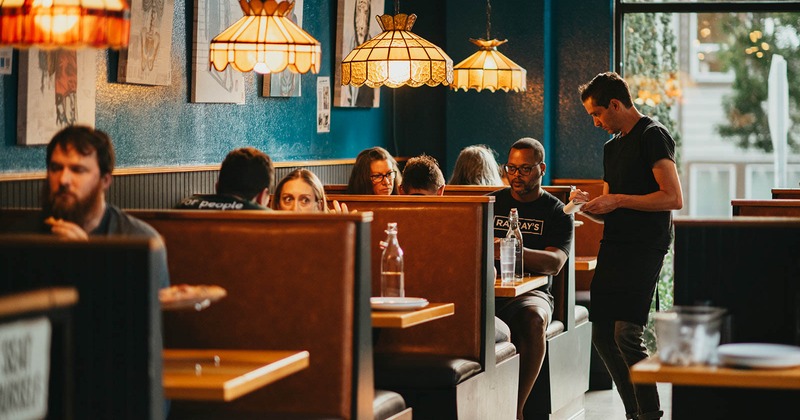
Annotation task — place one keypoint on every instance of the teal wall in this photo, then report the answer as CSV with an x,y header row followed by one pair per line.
x,y
561,43
157,126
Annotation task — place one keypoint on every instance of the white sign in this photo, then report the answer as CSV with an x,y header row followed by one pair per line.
x,y
6,59
24,368
324,104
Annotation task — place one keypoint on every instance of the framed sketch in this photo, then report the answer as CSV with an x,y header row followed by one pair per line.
x,y
285,83
356,24
56,89
211,17
146,61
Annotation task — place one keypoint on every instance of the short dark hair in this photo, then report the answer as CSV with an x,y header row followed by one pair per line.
x,y
422,173
604,87
245,172
85,140
530,143
360,183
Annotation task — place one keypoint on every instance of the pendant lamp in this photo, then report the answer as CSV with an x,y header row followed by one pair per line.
x,y
397,57
265,40
488,68
64,23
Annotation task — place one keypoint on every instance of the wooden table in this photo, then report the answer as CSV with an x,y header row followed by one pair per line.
x,y
516,289
196,375
585,263
651,370
405,319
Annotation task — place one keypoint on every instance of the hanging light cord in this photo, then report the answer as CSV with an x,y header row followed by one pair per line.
x,y
396,7
488,18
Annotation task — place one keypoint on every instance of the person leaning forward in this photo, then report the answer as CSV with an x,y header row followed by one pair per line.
x,y
641,187
547,237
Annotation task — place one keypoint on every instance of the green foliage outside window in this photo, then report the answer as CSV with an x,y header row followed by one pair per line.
x,y
755,38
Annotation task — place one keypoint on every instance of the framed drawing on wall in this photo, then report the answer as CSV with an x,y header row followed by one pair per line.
x,y
285,83
211,17
56,89
146,61
355,24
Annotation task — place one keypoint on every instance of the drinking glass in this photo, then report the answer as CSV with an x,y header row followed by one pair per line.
x,y
507,260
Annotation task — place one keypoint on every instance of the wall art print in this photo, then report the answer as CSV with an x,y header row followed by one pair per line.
x,y
285,83
56,90
356,24
146,61
211,17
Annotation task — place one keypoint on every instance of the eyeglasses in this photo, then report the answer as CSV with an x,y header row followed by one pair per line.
x,y
378,178
523,170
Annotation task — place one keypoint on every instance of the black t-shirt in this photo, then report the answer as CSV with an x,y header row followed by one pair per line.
x,y
542,221
628,165
217,202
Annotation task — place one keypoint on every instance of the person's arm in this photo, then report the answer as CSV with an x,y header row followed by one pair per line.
x,y
547,261
668,197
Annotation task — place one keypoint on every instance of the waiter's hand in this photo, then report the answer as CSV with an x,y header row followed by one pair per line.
x,y
602,205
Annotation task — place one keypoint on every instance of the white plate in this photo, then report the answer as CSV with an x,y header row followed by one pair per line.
x,y
759,355
397,303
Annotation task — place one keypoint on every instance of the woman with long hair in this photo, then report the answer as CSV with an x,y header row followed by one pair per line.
x,y
374,173
476,165
302,191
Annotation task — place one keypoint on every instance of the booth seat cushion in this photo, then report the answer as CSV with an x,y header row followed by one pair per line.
x,y
386,404
422,370
503,351
556,327
502,333
581,314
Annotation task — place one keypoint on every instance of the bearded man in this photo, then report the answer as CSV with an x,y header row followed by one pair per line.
x,y
79,165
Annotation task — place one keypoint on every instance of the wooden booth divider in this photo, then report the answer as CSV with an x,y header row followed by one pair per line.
x,y
449,258
101,321
769,208
749,266
294,282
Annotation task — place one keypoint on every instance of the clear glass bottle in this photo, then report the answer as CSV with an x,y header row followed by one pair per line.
x,y
392,265
514,232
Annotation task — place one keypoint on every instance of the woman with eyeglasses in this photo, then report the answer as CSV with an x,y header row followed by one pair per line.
x,y
302,191
374,173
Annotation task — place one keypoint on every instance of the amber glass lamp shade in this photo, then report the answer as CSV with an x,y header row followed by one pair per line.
x,y
265,40
397,57
488,69
64,23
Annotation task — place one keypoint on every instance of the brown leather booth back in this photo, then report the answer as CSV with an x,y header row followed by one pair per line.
x,y
293,284
772,208
786,193
445,241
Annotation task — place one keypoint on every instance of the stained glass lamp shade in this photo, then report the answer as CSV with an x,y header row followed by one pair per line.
x,y
265,40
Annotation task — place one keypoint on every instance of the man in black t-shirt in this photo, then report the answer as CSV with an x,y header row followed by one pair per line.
x,y
546,238
244,182
641,188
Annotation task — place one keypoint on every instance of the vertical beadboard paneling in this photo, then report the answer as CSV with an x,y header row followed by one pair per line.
x,y
156,190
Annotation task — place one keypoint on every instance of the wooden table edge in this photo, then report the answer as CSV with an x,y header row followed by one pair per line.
x,y
415,317
652,371
285,365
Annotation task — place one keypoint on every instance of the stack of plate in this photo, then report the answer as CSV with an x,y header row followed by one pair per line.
x,y
759,355
397,303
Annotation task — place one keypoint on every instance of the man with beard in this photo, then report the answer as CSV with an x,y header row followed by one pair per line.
x,y
546,237
79,165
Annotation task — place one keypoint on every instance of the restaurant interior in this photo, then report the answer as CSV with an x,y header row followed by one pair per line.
x,y
292,333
